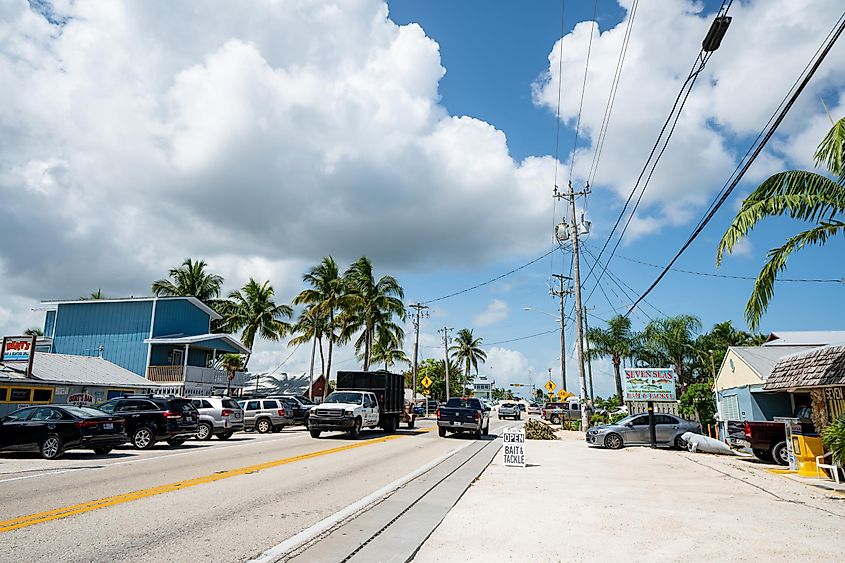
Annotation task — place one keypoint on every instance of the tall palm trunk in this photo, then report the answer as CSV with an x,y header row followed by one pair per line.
x,y
331,346
322,358
616,363
313,353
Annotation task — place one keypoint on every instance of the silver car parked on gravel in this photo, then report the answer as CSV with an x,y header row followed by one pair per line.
x,y
265,415
634,431
219,416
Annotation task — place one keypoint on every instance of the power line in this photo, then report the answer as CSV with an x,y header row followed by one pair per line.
x,y
557,117
830,40
583,90
488,282
730,276
485,345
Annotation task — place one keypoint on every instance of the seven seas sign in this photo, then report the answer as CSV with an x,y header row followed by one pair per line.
x,y
649,384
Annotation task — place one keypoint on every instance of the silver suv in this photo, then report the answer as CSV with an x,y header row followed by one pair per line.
x,y
219,416
265,415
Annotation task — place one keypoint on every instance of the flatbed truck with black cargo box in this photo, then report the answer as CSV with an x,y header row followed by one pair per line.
x,y
362,399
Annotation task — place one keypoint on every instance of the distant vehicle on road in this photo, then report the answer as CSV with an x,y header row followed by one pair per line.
x,y
634,431
54,429
534,408
521,407
560,412
363,399
265,415
509,410
153,418
298,405
218,416
463,414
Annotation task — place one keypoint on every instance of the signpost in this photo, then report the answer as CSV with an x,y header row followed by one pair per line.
x,y
550,386
18,350
563,394
650,385
514,450
426,382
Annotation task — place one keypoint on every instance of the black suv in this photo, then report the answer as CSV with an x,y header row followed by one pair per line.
x,y
298,405
151,418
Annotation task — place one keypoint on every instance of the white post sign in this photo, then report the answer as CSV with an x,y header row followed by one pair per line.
x,y
514,449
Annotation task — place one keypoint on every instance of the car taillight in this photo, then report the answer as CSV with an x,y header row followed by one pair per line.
x,y
282,412
227,412
172,414
86,423
476,416
746,429
437,414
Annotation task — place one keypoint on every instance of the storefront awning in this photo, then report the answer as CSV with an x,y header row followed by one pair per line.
x,y
820,367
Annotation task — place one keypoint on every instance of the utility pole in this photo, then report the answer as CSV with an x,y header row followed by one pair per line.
x,y
570,233
589,360
419,308
562,293
445,331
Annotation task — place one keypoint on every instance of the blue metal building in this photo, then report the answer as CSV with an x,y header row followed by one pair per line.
x,y
167,340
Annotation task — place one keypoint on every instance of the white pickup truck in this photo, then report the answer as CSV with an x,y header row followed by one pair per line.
x,y
345,410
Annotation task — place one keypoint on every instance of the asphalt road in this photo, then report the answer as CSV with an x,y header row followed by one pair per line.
x,y
208,501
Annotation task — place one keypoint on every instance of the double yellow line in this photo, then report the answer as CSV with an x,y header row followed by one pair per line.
x,y
64,512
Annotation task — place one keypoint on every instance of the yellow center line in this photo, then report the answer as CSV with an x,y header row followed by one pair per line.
x,y
64,512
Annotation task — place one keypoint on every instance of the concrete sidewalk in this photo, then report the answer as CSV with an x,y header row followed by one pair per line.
x,y
574,503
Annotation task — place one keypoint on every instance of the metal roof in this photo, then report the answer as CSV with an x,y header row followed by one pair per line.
x,y
819,367
74,370
762,359
215,316
196,339
806,338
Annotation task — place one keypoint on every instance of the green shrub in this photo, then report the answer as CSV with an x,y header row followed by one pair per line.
x,y
598,419
834,439
614,418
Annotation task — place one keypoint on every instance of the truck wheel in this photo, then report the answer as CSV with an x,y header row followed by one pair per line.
x,y
555,419
780,453
355,432
762,455
411,422
441,431
315,433
486,430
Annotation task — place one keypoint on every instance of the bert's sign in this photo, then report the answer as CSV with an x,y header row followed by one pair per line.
x,y
18,349
514,447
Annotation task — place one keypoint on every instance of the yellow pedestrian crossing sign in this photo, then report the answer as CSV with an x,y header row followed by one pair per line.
x,y
426,382
563,394
550,386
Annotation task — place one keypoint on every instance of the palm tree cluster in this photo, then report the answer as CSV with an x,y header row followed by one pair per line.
x,y
675,342
337,308
467,351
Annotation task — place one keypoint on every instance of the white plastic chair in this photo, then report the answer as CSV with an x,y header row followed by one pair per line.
x,y
834,469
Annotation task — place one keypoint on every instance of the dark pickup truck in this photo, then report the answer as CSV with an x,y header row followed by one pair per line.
x,y
463,414
767,440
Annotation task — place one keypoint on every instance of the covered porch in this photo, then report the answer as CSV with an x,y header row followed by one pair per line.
x,y
192,359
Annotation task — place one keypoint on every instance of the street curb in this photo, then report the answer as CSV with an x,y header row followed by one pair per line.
x,y
284,548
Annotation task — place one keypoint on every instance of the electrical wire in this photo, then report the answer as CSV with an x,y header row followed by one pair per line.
x,y
557,120
830,40
488,282
583,90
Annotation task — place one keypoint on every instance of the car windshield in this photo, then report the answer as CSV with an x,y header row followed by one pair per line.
x,y
625,420
304,400
341,397
84,412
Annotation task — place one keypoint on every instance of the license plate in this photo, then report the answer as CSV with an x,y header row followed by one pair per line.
x,y
455,423
237,416
108,426
189,418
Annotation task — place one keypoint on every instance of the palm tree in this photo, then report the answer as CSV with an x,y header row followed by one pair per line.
x,y
94,295
326,296
253,310
799,194
674,338
33,332
467,350
615,341
370,307
190,279
387,350
232,363
310,327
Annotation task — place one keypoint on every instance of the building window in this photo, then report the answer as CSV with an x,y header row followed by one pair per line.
x,y
20,395
729,407
42,395
4,394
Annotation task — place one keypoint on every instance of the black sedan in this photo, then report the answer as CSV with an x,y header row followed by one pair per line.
x,y
54,429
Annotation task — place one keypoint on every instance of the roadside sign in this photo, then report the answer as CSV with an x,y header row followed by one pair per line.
x,y
563,394
550,386
426,391
649,384
551,396
514,450
426,382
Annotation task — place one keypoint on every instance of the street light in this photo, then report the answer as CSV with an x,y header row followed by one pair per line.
x,y
555,317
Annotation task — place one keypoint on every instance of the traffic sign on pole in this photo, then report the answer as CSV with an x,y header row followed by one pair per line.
x,y
426,382
563,394
550,386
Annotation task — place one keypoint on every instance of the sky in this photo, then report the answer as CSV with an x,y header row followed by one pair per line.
x,y
421,134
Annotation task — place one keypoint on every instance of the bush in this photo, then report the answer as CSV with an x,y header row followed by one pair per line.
x,y
598,419
537,430
834,439
616,417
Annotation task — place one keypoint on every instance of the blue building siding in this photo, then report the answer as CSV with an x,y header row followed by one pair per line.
x,y
49,322
119,327
179,317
